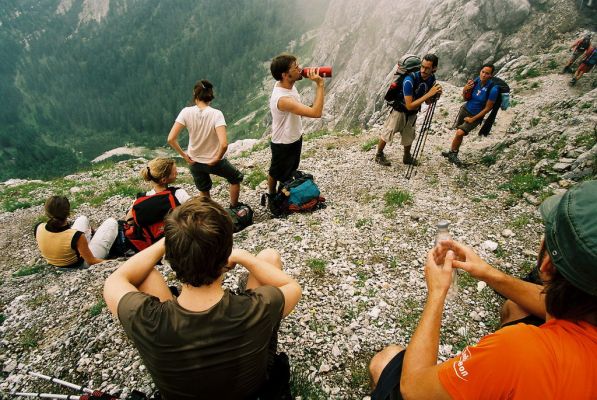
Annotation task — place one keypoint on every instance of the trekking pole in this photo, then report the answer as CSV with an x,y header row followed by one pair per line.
x,y
47,395
422,139
89,393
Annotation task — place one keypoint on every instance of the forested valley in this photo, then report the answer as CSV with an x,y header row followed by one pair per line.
x,y
71,89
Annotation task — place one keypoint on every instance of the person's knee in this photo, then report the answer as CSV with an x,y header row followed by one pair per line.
x,y
381,360
460,133
271,256
511,311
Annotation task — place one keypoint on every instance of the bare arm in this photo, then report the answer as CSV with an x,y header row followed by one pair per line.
x,y
488,106
268,274
85,252
133,274
223,141
415,104
173,141
289,104
527,295
419,378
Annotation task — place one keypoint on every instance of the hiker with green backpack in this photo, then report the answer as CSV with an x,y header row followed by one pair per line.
x,y
414,86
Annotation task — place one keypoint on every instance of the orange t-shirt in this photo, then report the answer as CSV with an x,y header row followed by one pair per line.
x,y
557,360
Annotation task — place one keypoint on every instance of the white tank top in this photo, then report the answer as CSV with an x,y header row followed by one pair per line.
x,y
286,126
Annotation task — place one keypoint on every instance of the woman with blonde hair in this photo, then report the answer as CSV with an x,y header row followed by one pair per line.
x,y
67,245
145,218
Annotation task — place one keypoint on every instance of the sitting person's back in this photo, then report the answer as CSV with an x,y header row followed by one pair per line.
x,y
209,342
145,218
67,245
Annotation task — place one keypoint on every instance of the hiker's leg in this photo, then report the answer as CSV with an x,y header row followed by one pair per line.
x,y
271,185
381,144
234,194
104,238
381,360
271,256
82,225
155,285
511,311
457,141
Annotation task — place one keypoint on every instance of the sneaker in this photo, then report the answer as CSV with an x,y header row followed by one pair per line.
x,y
572,81
381,159
567,69
446,153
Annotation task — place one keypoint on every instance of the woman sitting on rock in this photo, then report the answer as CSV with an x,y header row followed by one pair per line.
x,y
145,219
72,245
160,173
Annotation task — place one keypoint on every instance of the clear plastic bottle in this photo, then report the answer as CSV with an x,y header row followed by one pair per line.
x,y
443,233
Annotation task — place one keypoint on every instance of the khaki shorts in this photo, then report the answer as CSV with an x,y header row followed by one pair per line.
x,y
399,122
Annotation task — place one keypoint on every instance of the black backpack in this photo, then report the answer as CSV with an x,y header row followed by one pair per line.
x,y
242,216
582,46
502,101
395,96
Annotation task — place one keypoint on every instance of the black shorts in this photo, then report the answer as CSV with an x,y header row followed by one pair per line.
x,y
529,320
388,386
223,168
465,126
285,159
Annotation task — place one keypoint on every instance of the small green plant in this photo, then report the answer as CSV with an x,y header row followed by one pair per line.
x,y
534,121
301,386
369,144
535,85
552,64
297,238
363,222
586,105
97,308
532,73
316,134
500,252
520,222
587,140
359,375
30,338
38,300
488,160
28,270
524,182
397,198
317,266
128,188
2,318
255,178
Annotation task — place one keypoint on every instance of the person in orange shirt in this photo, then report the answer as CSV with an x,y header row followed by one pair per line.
x,y
526,359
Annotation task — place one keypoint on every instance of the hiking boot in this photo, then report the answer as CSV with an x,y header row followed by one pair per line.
x,y
573,81
381,159
452,157
567,70
407,159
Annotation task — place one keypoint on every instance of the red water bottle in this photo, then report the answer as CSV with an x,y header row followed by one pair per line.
x,y
324,72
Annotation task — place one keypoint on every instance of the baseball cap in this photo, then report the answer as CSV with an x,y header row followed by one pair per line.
x,y
571,234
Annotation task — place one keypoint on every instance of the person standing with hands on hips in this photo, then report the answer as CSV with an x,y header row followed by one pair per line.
x,y
287,110
207,143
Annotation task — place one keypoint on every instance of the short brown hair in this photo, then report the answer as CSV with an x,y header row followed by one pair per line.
x,y
198,241
281,64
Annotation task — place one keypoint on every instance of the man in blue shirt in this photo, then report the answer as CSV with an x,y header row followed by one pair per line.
x,y
417,87
480,94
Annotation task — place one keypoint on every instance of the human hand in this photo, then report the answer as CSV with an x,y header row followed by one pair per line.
x,y
313,74
465,258
469,85
469,120
188,159
235,258
436,89
438,276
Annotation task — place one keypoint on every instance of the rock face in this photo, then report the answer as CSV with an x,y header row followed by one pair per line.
x,y
364,40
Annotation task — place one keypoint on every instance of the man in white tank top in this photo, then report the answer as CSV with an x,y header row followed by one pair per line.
x,y
287,109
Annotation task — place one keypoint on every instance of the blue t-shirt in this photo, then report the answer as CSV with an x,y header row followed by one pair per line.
x,y
480,97
416,87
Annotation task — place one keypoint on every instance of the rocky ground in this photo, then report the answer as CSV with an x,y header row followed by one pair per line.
x,y
359,261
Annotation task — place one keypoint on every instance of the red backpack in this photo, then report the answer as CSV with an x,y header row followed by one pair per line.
x,y
147,225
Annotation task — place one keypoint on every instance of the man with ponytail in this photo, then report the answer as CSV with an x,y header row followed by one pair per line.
x,y
207,142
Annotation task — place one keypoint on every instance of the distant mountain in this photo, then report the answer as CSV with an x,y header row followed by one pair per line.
x,y
79,77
